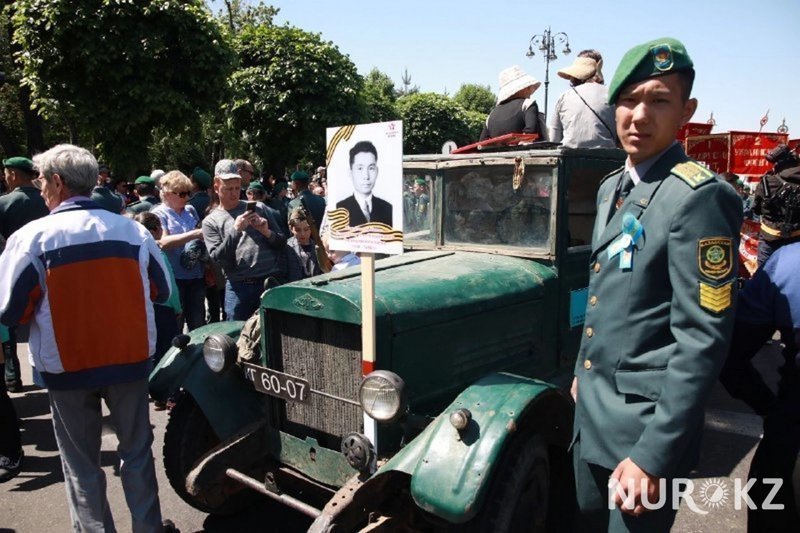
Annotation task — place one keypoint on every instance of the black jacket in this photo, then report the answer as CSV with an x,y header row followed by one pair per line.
x,y
381,211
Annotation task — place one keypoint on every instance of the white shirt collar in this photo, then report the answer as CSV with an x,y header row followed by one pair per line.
x,y
637,171
360,198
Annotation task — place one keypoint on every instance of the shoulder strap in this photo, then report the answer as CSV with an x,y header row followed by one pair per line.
x,y
603,122
692,173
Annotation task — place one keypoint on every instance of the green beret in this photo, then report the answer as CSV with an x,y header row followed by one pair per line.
x,y
649,60
22,163
147,180
420,181
257,186
202,177
279,186
299,175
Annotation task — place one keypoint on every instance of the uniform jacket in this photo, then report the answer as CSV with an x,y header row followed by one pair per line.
x,y
381,211
656,335
19,207
144,205
85,279
312,202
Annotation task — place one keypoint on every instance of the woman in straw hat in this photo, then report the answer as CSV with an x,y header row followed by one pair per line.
x,y
582,117
516,110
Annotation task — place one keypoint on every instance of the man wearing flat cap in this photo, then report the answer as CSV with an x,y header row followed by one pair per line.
x,y
21,205
145,188
662,289
582,117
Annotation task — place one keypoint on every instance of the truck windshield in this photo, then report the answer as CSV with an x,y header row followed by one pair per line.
x,y
482,207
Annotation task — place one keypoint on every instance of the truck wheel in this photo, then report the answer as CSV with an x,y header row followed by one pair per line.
x,y
518,498
187,438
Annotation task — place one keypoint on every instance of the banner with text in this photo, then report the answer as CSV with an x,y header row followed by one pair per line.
x,y
711,150
748,150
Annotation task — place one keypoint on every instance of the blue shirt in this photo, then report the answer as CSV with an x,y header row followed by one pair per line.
x,y
772,296
175,223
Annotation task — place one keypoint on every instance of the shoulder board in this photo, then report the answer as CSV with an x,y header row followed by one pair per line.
x,y
133,204
694,174
612,173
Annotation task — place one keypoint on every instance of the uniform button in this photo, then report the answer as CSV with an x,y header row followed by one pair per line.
x,y
596,267
587,364
593,300
589,332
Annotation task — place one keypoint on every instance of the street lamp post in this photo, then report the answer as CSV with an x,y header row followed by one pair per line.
x,y
546,43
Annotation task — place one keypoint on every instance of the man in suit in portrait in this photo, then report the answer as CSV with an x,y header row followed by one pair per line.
x,y
662,289
362,205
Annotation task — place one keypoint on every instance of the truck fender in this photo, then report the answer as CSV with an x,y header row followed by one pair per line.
x,y
451,471
184,368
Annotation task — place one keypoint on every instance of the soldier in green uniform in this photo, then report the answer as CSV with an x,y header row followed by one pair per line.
x,y
306,199
145,189
21,205
662,289
200,200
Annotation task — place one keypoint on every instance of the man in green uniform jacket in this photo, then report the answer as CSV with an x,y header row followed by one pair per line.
x,y
662,289
145,188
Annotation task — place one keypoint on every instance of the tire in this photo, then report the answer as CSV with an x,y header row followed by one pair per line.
x,y
518,497
188,437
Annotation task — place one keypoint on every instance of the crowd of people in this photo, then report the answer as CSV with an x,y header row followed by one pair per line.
x,y
203,248
658,325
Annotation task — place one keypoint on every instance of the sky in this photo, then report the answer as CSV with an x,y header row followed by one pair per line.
x,y
740,48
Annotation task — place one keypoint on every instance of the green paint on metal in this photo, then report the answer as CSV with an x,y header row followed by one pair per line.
x,y
311,458
416,286
449,472
186,369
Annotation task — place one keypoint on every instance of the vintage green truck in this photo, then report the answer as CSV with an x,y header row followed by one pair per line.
x,y
464,420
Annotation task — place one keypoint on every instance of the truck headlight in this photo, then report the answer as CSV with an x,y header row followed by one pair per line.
x,y
383,395
219,352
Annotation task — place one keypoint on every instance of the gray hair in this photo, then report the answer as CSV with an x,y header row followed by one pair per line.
x,y
77,167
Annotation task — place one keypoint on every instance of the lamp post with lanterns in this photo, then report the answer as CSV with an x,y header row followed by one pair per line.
x,y
546,44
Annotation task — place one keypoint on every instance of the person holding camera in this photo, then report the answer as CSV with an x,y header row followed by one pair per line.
x,y
246,239
777,202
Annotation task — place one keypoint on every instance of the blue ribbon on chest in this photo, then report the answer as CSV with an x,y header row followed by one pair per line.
x,y
632,232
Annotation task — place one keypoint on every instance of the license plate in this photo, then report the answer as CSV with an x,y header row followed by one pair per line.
x,y
278,384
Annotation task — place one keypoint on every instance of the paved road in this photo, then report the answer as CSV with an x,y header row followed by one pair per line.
x,y
35,501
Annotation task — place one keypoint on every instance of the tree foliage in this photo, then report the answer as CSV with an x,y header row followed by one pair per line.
x,y
473,97
290,86
379,97
119,68
430,119
239,14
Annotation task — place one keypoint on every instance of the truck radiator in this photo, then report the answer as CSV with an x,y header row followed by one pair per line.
x,y
328,355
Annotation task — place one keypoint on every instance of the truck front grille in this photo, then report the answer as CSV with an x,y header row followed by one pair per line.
x,y
328,355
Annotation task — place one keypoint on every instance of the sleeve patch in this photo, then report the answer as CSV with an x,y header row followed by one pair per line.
x,y
692,173
716,299
715,257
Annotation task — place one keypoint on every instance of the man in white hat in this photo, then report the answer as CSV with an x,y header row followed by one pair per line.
x,y
582,117
516,110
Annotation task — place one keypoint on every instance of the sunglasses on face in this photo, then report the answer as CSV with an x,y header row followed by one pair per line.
x,y
182,194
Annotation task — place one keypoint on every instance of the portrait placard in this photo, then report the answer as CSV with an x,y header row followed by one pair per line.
x,y
365,188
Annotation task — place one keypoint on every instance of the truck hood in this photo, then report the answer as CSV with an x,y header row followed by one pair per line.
x,y
418,288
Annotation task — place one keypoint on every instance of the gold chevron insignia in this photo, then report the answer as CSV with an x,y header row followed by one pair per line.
x,y
716,299
692,173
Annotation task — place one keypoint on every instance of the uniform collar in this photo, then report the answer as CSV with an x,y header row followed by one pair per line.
x,y
638,171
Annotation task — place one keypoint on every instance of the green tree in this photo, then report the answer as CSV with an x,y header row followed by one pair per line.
x,y
289,87
473,97
239,14
430,119
379,97
119,68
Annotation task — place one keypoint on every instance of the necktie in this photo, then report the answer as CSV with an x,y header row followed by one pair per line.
x,y
365,209
625,186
